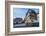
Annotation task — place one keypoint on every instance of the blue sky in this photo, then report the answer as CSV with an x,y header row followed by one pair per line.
x,y
21,12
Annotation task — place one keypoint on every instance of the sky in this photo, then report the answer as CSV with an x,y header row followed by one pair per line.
x,y
21,12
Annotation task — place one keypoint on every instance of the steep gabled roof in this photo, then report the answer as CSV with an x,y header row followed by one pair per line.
x,y
31,12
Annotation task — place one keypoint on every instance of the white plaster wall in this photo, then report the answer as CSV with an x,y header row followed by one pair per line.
x,y
2,18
